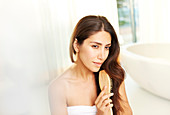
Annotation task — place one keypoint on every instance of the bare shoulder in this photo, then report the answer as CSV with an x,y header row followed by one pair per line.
x,y
60,84
57,95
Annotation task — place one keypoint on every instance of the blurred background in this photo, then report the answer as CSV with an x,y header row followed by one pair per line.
x,y
34,47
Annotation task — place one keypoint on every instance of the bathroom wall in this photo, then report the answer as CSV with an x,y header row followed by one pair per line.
x,y
23,65
154,22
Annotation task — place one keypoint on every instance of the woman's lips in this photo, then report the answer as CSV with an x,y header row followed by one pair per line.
x,y
98,64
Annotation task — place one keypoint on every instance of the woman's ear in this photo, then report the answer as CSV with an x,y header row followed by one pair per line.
x,y
76,45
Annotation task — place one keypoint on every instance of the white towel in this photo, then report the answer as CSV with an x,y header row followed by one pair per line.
x,y
82,110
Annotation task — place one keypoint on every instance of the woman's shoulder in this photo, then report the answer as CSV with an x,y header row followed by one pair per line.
x,y
57,92
60,83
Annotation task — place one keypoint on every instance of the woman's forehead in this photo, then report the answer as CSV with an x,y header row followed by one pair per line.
x,y
102,37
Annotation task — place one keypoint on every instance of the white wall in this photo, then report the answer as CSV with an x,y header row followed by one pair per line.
x,y
23,61
154,22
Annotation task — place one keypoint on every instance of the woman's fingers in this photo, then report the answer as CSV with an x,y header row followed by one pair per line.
x,y
107,96
106,102
103,99
103,102
110,105
101,94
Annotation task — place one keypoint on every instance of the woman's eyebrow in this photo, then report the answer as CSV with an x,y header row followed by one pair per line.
x,y
96,43
108,44
100,43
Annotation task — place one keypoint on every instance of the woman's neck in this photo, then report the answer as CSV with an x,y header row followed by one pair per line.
x,y
82,72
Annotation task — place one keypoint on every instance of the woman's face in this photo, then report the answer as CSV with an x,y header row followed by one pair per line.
x,y
95,50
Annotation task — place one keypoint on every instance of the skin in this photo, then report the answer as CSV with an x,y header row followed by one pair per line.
x,y
67,89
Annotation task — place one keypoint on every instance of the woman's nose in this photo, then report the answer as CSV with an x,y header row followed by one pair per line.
x,y
101,54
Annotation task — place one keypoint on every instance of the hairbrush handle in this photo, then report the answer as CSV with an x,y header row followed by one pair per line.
x,y
104,80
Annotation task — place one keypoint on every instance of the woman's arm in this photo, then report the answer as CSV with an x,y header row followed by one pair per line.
x,y
57,99
124,103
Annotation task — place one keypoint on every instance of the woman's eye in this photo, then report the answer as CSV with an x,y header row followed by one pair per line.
x,y
107,48
95,46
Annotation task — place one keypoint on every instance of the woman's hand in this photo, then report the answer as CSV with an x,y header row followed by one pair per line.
x,y
103,102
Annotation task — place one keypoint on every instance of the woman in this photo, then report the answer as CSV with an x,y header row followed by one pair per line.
x,y
95,46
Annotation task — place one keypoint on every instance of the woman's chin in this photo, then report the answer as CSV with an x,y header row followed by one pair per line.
x,y
95,70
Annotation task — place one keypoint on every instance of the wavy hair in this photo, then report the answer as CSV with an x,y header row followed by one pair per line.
x,y
88,26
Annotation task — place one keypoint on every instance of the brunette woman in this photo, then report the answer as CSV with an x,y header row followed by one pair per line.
x,y
93,47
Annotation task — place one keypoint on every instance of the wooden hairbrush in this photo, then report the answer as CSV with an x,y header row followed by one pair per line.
x,y
104,80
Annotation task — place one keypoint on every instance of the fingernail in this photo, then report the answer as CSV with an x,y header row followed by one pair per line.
x,y
112,93
111,105
105,86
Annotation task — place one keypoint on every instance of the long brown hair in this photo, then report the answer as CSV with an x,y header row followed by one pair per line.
x,y
88,26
